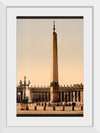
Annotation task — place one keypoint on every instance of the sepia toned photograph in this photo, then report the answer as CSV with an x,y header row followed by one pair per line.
x,y
49,66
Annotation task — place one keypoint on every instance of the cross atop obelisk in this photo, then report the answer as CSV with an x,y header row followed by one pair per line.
x,y
54,86
53,26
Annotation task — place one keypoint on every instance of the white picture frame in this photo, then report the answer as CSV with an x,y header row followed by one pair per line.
x,y
8,6
12,13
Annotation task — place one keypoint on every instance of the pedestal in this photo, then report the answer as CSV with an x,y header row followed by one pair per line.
x,y
54,94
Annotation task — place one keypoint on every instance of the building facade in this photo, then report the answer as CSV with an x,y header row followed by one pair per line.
x,y
67,94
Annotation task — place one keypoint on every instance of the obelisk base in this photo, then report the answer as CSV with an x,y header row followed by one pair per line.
x,y
54,96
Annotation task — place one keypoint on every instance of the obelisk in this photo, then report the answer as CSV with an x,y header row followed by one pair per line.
x,y
54,86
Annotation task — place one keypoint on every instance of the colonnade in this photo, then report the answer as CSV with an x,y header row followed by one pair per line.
x,y
40,96
71,96
64,96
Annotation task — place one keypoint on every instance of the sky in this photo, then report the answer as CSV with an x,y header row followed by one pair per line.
x,y
34,50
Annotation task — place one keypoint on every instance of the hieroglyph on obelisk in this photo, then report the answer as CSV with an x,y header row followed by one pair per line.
x,y
54,86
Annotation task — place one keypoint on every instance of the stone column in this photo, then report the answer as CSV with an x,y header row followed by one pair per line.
x,y
45,96
81,96
60,96
39,97
42,96
77,97
70,96
67,97
48,96
73,96
23,94
64,96
20,96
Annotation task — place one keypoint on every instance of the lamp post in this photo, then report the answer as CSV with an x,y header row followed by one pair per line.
x,y
24,84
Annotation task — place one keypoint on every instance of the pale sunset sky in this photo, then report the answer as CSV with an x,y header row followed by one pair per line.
x,y
34,50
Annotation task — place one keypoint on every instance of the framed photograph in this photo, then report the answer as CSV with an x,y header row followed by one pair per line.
x,y
49,67
58,96
49,61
